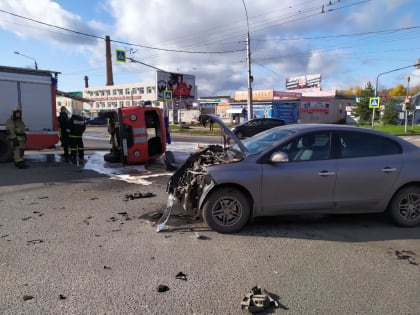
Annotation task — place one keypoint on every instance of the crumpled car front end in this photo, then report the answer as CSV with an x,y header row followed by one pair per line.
x,y
192,178
189,181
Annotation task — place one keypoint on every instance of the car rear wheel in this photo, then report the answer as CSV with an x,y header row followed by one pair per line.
x,y
405,206
226,210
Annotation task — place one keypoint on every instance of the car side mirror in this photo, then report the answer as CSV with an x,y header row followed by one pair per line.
x,y
279,157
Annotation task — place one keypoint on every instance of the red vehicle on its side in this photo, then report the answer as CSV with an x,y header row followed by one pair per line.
x,y
138,134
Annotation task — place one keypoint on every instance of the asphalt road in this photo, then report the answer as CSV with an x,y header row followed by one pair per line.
x,y
73,242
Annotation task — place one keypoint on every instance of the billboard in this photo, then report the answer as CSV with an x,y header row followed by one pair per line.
x,y
315,105
303,82
181,85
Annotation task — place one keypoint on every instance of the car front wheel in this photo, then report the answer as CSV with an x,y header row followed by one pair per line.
x,y
405,206
226,210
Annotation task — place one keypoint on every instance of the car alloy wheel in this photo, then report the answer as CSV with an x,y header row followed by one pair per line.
x,y
226,210
405,206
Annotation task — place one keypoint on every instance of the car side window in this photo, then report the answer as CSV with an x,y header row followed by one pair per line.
x,y
265,123
357,144
308,147
254,123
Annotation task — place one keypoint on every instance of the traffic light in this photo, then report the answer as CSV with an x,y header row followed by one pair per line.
x,y
407,104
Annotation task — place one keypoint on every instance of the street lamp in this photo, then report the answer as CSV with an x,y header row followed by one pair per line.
x,y
248,58
36,65
376,87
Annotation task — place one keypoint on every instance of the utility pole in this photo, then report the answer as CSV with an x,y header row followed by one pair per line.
x,y
406,103
248,58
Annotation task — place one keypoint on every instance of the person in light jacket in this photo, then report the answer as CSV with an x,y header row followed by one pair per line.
x,y
16,131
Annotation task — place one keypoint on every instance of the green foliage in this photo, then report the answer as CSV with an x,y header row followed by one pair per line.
x,y
390,114
395,129
362,109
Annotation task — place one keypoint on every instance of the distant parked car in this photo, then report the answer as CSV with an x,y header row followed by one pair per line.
x,y
254,126
96,121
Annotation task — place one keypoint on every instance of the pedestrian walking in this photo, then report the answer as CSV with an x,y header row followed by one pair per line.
x,y
76,128
211,123
16,131
63,121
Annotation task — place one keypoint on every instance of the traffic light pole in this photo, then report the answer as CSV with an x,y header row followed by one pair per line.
x,y
376,89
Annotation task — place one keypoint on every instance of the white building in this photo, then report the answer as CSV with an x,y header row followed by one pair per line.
x,y
110,97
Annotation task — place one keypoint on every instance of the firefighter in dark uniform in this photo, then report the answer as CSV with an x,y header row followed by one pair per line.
x,y
63,120
76,127
16,131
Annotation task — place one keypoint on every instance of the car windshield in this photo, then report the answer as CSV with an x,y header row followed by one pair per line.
x,y
266,139
258,143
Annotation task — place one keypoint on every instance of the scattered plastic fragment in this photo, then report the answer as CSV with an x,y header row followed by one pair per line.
x,y
181,276
162,288
201,237
165,217
62,297
258,300
407,255
27,297
35,242
138,195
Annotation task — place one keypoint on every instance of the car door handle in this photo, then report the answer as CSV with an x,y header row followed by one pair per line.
x,y
326,173
388,169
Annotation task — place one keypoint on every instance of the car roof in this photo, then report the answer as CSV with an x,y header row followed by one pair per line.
x,y
303,128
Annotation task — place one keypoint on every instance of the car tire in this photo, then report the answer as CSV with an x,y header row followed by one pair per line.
x,y
226,210
405,206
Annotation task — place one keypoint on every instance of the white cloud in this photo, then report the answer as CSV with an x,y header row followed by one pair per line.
x,y
210,26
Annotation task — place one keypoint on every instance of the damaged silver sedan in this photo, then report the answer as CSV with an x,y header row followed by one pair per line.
x,y
300,169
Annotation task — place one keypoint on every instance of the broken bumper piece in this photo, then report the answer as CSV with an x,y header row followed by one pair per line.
x,y
165,216
258,300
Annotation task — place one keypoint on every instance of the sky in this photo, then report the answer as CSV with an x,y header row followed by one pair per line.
x,y
348,42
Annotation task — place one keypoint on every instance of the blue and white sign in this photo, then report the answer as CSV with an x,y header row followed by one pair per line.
x,y
167,95
374,102
120,54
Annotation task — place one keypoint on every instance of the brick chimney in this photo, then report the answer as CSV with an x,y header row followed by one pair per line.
x,y
109,75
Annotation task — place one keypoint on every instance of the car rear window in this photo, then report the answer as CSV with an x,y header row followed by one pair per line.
x,y
357,144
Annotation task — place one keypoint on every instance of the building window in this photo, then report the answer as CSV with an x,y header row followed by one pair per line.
x,y
149,90
141,90
127,91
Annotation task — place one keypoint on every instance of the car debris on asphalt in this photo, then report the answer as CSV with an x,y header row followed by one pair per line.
x,y
258,300
162,288
138,196
181,276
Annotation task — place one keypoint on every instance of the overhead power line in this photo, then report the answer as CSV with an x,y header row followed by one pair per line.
x,y
120,42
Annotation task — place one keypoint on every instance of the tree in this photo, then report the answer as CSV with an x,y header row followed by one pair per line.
x,y
390,113
399,90
362,110
353,91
